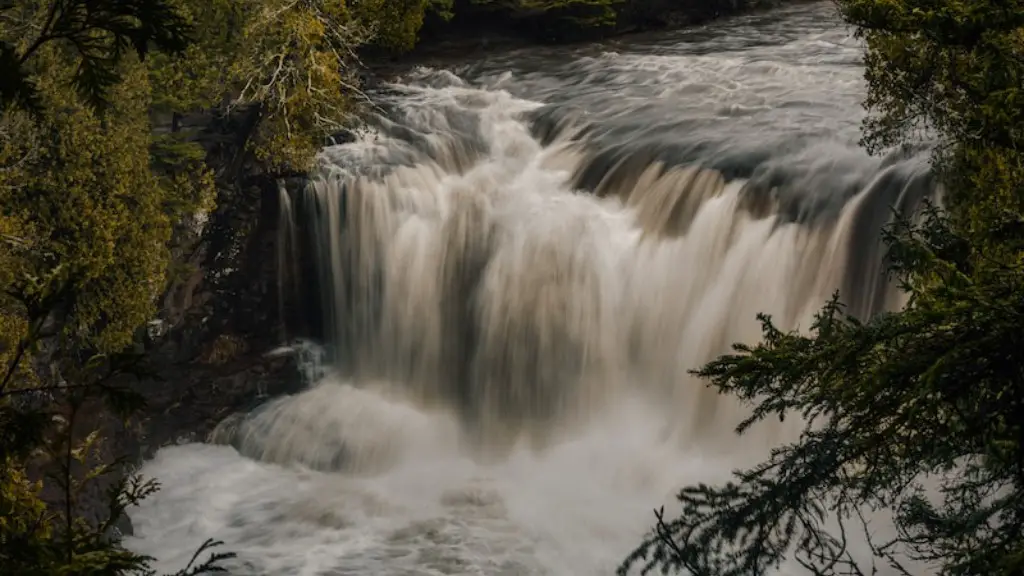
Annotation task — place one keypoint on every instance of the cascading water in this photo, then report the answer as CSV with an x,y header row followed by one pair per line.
x,y
516,268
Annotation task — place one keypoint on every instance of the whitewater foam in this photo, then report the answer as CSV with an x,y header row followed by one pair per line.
x,y
516,269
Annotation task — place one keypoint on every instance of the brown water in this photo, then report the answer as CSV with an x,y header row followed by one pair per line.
x,y
516,266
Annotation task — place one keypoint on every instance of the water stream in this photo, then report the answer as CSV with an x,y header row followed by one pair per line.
x,y
515,267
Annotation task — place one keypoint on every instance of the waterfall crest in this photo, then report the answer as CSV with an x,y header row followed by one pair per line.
x,y
494,260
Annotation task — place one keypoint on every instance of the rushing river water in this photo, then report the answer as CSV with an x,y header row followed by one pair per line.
x,y
515,268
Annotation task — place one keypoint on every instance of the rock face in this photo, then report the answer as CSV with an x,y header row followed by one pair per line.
x,y
206,351
228,277
220,317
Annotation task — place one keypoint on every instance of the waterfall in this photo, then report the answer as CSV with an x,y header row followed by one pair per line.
x,y
481,257
511,273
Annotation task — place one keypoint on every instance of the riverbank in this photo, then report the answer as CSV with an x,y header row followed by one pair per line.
x,y
481,32
567,21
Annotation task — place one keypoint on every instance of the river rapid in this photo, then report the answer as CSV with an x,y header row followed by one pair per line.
x,y
513,271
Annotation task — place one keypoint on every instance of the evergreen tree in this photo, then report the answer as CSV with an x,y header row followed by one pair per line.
x,y
91,195
96,35
84,227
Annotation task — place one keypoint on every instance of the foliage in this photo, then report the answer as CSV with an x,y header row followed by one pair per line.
x,y
293,60
932,395
581,13
36,538
97,35
91,197
99,216
395,24
574,20
295,65
86,215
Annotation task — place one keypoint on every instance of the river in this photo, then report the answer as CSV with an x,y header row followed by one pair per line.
x,y
516,267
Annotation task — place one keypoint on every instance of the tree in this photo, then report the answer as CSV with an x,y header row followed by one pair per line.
x,y
95,34
92,195
293,63
934,390
297,65
85,222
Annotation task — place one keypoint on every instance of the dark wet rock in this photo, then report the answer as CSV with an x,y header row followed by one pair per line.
x,y
208,346
205,354
341,137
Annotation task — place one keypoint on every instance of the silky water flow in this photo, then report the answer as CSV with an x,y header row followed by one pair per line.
x,y
515,268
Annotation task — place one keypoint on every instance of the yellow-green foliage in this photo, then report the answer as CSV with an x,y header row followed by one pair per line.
x,y
19,503
91,194
395,24
85,223
295,63
85,188
200,77
96,34
20,507
294,59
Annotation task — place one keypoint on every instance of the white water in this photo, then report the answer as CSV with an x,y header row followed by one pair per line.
x,y
518,268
